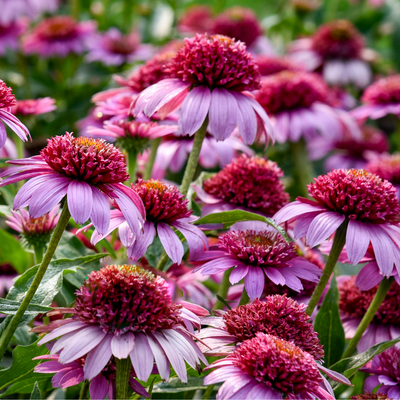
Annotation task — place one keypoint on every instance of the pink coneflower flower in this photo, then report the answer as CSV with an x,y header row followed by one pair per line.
x,y
381,98
387,166
115,108
350,152
353,305
370,396
7,100
196,19
256,255
58,36
173,153
35,231
87,170
213,74
338,48
270,65
385,370
123,311
268,368
9,150
72,373
166,208
34,106
368,202
297,101
114,48
276,315
9,35
250,183
12,10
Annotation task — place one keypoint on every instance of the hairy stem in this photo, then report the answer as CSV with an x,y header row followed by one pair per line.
x,y
39,250
337,247
223,289
55,239
122,378
150,162
380,295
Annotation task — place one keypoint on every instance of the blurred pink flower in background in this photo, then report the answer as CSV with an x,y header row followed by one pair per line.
x,y
12,10
10,34
34,106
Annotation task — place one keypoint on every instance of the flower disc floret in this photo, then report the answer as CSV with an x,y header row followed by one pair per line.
x,y
7,99
357,194
123,45
383,91
217,62
354,303
57,28
239,23
258,248
250,182
126,298
279,316
338,39
278,363
163,203
387,167
270,65
289,90
86,159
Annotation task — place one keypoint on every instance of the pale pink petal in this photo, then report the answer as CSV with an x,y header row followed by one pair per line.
x,y
142,242
161,359
238,274
274,275
122,345
357,241
303,224
72,326
246,118
100,215
254,282
80,201
142,357
369,276
98,388
98,358
171,242
196,239
295,209
323,226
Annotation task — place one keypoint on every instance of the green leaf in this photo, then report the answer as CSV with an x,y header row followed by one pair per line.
x,y
228,218
71,247
36,395
22,366
154,252
5,211
226,302
10,307
174,385
52,281
13,253
329,326
349,366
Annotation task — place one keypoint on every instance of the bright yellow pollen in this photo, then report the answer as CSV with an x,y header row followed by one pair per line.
x,y
135,270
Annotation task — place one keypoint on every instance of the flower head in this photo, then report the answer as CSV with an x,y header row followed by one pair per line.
x,y
248,182
196,19
211,72
386,166
88,171
267,367
385,373
124,311
338,39
34,106
35,231
165,208
7,99
239,23
368,203
270,65
58,36
9,35
254,254
370,396
31,8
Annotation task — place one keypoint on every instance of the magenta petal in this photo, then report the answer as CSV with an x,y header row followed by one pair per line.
x,y
71,378
254,282
194,110
142,357
171,242
3,135
80,201
49,367
238,274
196,239
98,388
357,241
142,242
222,114
138,388
98,358
295,209
45,197
275,276
122,345
371,383
303,224
369,276
100,215
323,226
246,118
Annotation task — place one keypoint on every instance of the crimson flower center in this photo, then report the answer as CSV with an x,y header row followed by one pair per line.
x,y
7,99
383,91
57,28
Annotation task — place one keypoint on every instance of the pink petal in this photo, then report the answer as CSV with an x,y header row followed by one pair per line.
x,y
72,326
369,276
323,226
254,282
139,247
98,388
171,242
142,357
246,118
98,358
161,359
122,345
196,239
100,215
295,209
80,201
357,241
238,274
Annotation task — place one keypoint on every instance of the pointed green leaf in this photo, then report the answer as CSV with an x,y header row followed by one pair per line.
x,y
36,395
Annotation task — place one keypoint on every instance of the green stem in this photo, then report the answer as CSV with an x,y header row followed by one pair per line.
x,y
223,289
152,157
244,298
337,247
132,163
55,238
39,250
162,261
122,378
380,295
193,158
331,10
75,8
128,8
84,389
303,169
208,392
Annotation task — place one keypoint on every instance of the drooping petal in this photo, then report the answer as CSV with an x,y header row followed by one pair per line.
x,y
161,359
238,274
357,241
222,114
171,242
122,345
194,110
303,224
323,226
80,200
254,282
246,118
369,276
142,242
98,358
100,214
3,135
195,238
142,357
98,388
295,209
72,326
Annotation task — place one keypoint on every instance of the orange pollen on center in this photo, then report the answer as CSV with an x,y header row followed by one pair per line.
x,y
83,141
156,185
287,347
258,240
